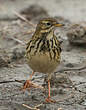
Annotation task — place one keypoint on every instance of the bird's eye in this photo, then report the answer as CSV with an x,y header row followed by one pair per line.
x,y
49,24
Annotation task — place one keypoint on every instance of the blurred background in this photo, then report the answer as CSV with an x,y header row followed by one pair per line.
x,y
74,10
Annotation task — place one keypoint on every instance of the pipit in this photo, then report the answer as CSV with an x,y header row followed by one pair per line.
x,y
43,50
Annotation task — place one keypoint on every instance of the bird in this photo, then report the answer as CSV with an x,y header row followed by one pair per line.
x,y
43,51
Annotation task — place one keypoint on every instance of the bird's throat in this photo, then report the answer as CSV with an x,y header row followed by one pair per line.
x,y
50,35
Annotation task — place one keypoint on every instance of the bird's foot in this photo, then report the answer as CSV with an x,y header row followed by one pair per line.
x,y
49,100
29,84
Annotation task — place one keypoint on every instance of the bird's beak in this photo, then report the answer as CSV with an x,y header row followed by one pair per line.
x,y
59,25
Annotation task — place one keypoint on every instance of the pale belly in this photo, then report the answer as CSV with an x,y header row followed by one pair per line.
x,y
42,63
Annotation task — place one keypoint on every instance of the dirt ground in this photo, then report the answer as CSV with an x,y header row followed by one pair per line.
x,y
68,84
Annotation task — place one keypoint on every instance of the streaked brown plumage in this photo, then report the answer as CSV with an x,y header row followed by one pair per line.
x,y
43,49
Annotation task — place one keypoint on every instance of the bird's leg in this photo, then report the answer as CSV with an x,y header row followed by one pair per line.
x,y
29,83
49,99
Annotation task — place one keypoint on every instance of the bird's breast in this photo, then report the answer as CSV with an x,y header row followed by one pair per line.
x,y
41,62
43,55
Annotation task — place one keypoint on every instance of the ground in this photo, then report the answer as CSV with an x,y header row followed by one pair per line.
x,y
68,84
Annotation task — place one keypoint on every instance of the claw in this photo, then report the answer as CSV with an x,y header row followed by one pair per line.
x,y
50,100
29,84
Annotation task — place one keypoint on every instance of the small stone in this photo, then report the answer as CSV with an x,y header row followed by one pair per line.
x,y
77,34
70,65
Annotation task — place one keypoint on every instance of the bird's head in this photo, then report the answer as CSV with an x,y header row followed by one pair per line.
x,y
47,25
